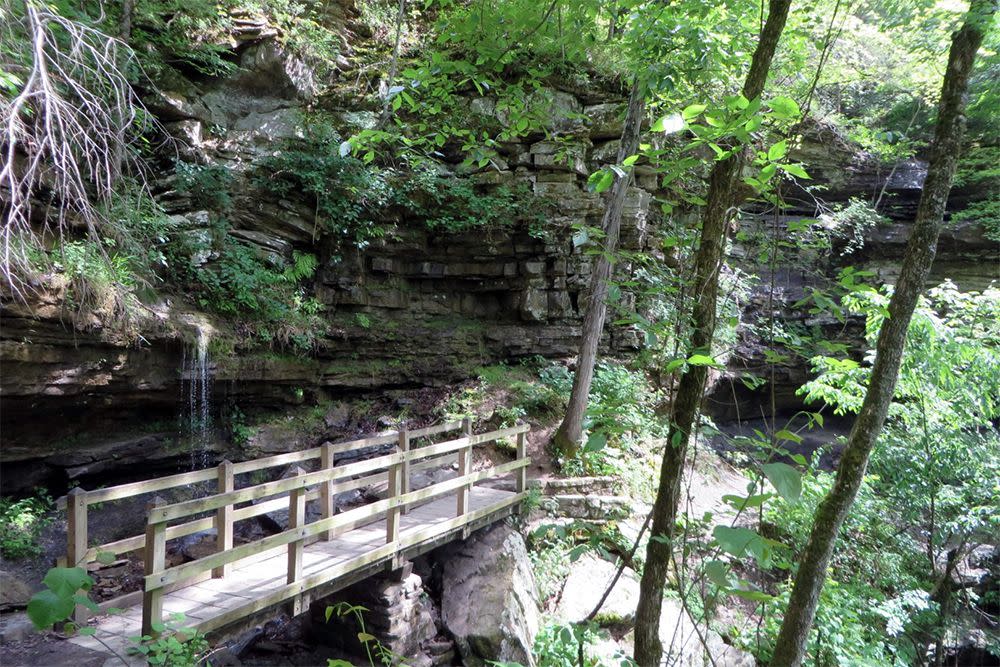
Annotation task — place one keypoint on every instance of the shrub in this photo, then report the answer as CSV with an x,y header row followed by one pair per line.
x,y
850,223
21,523
269,303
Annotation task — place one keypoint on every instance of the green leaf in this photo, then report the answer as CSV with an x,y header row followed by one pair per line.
x,y
45,609
674,365
796,170
743,502
596,442
718,573
66,581
105,557
630,160
86,602
777,151
785,434
364,637
702,360
786,479
600,181
785,108
734,541
693,110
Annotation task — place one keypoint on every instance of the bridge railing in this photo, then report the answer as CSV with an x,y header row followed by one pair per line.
x,y
78,501
293,492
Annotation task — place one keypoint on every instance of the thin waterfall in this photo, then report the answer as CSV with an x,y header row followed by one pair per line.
x,y
196,388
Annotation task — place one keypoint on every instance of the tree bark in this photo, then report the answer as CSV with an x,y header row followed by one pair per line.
x,y
791,643
723,194
570,433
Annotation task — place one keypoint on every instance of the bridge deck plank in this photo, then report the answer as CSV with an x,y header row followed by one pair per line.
x,y
205,600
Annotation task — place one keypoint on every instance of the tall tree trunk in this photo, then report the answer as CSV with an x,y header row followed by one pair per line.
x,y
570,432
830,515
723,194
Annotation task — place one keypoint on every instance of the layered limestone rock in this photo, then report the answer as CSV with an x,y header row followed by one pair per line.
x,y
418,308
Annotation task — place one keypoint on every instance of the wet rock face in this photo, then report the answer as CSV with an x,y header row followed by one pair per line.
x,y
489,603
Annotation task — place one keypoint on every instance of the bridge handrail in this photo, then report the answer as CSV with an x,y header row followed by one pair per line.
x,y
77,501
193,568
158,577
267,489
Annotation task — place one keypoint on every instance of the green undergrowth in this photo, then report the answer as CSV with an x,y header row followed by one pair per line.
x,y
621,419
21,524
357,202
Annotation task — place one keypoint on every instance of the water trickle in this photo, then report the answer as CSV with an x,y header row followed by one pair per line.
x,y
196,388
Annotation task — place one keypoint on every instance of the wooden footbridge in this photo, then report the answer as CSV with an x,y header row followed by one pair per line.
x,y
308,560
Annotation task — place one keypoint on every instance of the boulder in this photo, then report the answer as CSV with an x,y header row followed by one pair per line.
x,y
489,602
14,593
685,645
588,578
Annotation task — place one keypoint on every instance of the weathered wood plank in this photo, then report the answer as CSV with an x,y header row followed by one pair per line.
x,y
150,486
434,430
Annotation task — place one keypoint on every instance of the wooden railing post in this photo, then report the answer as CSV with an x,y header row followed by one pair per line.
x,y
224,518
404,448
326,499
393,491
521,476
155,553
464,468
296,519
76,538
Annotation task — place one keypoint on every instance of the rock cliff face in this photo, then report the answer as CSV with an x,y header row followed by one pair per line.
x,y
417,309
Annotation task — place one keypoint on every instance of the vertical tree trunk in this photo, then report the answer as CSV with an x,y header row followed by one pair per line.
x,y
125,26
570,432
723,188
830,515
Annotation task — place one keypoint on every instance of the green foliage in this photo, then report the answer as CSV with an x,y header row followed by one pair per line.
x,y
268,302
350,196
931,483
175,646
559,645
621,415
208,185
56,602
21,524
979,173
454,205
343,190
851,223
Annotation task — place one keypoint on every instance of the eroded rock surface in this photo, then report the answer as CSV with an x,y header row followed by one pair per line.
x,y
489,602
